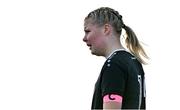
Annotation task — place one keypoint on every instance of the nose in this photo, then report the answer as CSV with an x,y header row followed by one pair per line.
x,y
85,39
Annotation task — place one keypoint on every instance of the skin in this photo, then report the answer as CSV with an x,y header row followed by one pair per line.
x,y
102,41
111,105
94,38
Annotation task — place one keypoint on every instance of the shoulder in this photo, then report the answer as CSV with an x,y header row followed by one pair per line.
x,y
122,59
118,59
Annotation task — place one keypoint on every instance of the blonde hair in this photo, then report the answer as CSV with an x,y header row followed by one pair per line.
x,y
105,15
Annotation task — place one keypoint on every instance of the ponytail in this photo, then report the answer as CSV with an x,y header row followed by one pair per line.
x,y
134,46
105,15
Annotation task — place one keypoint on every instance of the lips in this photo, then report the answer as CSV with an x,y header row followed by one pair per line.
x,y
89,45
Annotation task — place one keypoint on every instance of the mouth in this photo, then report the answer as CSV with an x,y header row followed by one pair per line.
x,y
89,45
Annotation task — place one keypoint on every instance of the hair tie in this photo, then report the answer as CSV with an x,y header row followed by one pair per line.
x,y
123,26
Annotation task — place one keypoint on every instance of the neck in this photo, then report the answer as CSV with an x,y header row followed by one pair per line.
x,y
113,48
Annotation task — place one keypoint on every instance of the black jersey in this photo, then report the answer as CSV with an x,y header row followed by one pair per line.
x,y
121,74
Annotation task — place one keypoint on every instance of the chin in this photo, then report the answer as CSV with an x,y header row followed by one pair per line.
x,y
96,53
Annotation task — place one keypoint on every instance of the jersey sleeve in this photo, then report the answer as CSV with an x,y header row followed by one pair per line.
x,y
113,80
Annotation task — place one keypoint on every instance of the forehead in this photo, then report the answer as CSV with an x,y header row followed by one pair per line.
x,y
88,23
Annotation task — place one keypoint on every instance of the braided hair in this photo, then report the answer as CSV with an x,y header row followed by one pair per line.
x,y
104,15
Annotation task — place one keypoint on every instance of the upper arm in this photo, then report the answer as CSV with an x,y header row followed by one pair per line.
x,y
112,105
112,101
113,80
113,86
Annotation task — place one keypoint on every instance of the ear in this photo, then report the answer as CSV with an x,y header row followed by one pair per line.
x,y
107,29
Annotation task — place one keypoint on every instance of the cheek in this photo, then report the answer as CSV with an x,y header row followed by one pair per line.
x,y
95,37
97,41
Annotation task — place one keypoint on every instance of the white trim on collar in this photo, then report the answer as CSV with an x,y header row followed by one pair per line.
x,y
114,52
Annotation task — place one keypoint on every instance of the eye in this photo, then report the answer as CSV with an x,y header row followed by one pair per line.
x,y
86,31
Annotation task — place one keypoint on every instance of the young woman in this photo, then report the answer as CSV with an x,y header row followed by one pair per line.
x,y
121,82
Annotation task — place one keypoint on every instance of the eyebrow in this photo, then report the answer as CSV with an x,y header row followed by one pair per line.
x,y
85,28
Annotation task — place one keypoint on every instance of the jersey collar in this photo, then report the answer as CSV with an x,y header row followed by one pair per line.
x,y
114,52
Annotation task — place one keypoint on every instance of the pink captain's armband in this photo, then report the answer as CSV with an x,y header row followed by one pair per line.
x,y
112,98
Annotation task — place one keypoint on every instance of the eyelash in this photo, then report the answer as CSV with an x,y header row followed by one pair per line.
x,y
87,31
